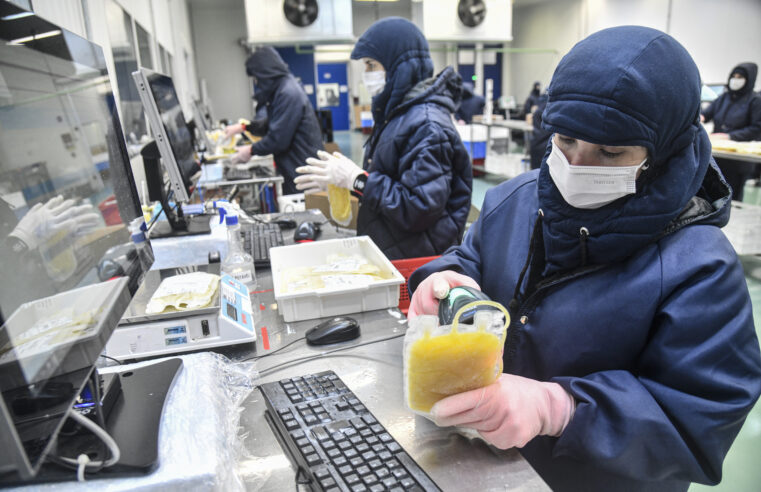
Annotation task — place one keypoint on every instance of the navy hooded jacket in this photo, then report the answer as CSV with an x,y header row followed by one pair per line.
x,y
471,104
292,132
738,113
639,308
417,196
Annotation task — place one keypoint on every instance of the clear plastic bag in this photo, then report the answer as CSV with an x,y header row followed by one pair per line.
x,y
340,204
440,361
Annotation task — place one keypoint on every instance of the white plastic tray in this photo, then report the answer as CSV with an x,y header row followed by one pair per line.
x,y
331,302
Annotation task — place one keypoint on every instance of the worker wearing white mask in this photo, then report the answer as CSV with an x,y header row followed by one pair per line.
x,y
416,180
631,359
736,115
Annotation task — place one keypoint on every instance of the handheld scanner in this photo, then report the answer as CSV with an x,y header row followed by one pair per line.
x,y
457,298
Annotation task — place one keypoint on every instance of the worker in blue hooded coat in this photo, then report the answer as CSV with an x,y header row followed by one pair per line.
x,y
471,104
292,130
736,115
631,359
416,183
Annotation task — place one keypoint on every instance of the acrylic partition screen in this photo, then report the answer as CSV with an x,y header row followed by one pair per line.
x,y
66,196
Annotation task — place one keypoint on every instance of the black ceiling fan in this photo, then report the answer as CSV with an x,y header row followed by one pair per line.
x,y
301,13
471,12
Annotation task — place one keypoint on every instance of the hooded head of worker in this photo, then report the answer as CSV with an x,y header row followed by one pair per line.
x,y
742,79
266,67
403,51
626,86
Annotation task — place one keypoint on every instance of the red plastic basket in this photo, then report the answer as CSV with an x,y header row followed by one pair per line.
x,y
406,267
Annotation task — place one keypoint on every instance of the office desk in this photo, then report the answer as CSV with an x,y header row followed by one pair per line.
x,y
374,373
737,156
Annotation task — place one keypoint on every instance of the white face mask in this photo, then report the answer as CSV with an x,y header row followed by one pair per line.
x,y
374,81
591,187
736,84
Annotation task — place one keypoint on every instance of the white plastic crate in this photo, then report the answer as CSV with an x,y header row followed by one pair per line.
x,y
325,302
744,228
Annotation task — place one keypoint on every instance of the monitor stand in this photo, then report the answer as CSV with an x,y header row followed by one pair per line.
x,y
132,421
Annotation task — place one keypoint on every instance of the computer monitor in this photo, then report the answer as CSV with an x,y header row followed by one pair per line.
x,y
68,265
710,92
174,142
202,125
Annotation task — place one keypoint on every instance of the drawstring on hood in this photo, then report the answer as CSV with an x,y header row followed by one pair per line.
x,y
583,235
535,239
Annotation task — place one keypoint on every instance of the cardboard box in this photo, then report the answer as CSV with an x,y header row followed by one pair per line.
x,y
320,201
358,110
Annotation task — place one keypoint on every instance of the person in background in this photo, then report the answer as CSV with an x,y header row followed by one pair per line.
x,y
539,136
736,115
292,131
631,359
532,99
471,104
416,183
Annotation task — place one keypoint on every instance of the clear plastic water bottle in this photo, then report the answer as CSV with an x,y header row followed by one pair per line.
x,y
237,263
137,230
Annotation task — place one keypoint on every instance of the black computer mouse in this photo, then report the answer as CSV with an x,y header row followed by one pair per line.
x,y
306,231
334,330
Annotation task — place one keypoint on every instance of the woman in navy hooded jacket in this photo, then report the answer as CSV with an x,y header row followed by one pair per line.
x,y
416,184
736,115
292,131
631,359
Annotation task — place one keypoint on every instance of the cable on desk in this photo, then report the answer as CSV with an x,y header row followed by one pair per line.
x,y
323,354
111,358
257,357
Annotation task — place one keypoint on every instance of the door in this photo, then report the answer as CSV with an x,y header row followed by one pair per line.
x,y
333,92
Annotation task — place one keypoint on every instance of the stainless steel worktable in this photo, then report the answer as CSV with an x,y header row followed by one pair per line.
x,y
374,373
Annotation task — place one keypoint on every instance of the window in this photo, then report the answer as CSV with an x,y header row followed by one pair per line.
x,y
144,47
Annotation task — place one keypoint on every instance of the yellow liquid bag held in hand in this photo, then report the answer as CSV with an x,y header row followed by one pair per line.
x,y
340,204
440,361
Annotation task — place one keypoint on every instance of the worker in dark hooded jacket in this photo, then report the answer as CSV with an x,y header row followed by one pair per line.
x,y
292,130
416,184
736,115
470,105
631,358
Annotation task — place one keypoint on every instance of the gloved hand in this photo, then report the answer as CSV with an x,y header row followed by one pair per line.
x,y
242,155
334,169
233,129
44,221
436,286
509,412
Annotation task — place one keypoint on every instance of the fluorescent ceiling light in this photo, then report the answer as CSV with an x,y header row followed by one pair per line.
x,y
20,15
35,37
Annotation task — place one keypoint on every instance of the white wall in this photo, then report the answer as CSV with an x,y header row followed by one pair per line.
x,y
66,13
220,59
718,34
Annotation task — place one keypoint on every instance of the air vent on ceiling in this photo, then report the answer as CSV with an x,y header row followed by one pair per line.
x,y
301,13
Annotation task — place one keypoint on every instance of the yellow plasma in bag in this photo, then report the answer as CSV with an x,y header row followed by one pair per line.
x,y
445,365
340,204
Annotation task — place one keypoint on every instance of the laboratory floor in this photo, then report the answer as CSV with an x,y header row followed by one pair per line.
x,y
741,472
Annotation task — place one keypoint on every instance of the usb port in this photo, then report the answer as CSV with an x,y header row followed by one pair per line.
x,y
176,340
174,330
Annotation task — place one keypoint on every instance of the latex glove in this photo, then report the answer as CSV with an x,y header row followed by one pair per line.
x,y
333,168
232,130
44,221
436,286
510,412
242,155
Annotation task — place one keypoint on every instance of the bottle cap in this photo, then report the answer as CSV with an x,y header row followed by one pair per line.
x,y
231,219
138,237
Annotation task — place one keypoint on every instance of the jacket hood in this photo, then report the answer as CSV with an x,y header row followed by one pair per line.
x,y
403,51
627,85
444,89
267,66
748,70
467,90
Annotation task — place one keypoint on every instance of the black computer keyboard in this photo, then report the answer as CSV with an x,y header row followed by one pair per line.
x,y
233,174
333,439
258,238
